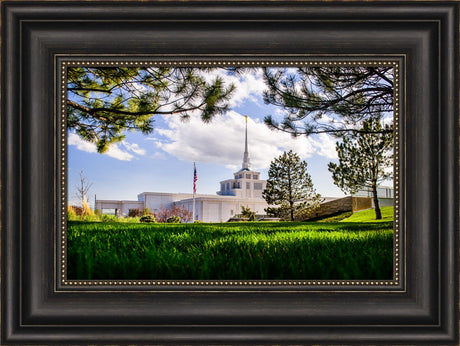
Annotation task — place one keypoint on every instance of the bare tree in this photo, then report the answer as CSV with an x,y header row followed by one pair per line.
x,y
83,188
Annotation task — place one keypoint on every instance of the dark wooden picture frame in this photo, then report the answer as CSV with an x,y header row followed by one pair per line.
x,y
421,309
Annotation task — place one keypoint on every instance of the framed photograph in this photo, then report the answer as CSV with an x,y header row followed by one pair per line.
x,y
286,207
328,129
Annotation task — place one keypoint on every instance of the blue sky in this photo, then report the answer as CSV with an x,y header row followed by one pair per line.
x,y
163,160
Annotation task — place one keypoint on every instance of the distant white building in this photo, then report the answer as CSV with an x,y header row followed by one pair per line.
x,y
385,194
382,192
245,189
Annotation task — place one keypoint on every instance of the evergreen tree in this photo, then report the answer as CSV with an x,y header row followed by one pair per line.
x,y
247,213
328,99
364,160
289,187
104,102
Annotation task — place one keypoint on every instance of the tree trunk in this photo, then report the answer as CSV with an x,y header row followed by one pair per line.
x,y
291,202
378,213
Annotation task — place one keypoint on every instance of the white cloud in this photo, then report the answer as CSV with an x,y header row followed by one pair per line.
x,y
325,145
249,85
114,150
281,112
134,148
222,141
82,145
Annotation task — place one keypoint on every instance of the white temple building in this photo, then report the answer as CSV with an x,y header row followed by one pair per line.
x,y
245,189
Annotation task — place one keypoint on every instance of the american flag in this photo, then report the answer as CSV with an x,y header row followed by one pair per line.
x,y
195,178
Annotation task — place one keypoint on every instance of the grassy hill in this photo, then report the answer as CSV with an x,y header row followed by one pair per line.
x,y
369,215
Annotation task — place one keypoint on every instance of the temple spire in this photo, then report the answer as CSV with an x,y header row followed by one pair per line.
x,y
246,161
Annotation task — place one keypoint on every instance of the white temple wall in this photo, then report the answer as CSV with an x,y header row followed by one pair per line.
x,y
188,204
126,205
121,207
212,212
107,204
154,201
220,210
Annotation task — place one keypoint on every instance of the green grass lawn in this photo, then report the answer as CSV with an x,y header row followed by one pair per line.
x,y
369,215
238,251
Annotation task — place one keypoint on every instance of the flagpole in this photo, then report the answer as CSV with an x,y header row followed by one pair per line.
x,y
194,191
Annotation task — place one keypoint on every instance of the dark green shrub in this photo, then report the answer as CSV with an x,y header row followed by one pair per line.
x,y
147,218
247,213
173,219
